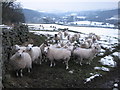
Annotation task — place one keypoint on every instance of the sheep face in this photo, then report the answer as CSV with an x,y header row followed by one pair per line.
x,y
19,53
29,47
16,47
96,48
46,49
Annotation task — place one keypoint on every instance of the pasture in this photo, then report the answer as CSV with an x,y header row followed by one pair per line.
x,y
85,76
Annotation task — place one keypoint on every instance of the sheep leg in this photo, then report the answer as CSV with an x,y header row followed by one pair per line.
x,y
17,73
89,61
21,73
51,64
40,59
81,61
45,60
54,63
66,62
40,62
29,70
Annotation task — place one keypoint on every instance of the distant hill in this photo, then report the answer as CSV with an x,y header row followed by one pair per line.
x,y
32,16
109,16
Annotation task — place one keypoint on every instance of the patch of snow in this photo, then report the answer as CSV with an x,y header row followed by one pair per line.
x,y
71,71
44,32
116,54
108,60
115,85
92,77
102,68
100,54
87,30
102,50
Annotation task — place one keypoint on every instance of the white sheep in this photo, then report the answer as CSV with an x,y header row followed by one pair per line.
x,y
90,41
65,33
98,37
42,47
77,36
57,38
35,53
18,47
85,44
71,38
21,60
83,53
58,54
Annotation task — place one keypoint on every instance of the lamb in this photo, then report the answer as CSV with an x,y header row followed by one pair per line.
x,y
21,60
35,53
83,53
58,54
18,47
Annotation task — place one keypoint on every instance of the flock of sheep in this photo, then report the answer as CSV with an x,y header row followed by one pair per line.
x,y
62,46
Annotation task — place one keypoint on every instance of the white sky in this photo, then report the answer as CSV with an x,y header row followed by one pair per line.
x,y
69,5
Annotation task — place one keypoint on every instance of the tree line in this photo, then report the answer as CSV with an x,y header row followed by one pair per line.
x,y
12,13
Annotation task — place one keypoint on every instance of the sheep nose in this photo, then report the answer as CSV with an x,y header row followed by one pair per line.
x,y
30,49
20,55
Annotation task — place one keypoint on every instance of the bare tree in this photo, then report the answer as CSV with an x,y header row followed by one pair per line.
x,y
12,13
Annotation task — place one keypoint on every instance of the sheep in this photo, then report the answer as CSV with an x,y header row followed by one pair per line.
x,y
65,33
60,34
18,47
21,60
94,37
90,41
98,37
77,36
85,44
58,54
42,47
35,53
74,37
98,47
57,38
71,38
83,53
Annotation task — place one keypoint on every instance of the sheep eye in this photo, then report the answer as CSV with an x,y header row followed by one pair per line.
x,y
23,50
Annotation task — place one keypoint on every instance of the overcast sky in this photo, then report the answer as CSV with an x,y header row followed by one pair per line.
x,y
69,5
